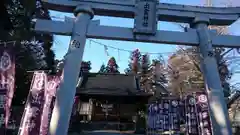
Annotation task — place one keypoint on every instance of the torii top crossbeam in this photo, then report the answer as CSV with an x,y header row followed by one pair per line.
x,y
165,12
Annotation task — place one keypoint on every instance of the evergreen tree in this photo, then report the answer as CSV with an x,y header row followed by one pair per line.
x,y
145,63
158,71
86,66
134,63
33,51
5,23
152,75
145,82
59,64
112,66
102,69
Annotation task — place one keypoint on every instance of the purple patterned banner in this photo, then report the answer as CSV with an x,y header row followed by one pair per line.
x,y
50,91
175,115
31,119
7,81
191,117
164,115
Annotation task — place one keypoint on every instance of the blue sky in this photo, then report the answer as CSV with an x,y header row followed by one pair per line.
x,y
96,54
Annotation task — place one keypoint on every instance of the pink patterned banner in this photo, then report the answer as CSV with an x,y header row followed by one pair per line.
x,y
3,93
7,81
197,114
50,91
203,113
31,120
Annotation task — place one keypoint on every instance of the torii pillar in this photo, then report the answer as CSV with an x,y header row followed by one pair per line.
x,y
218,109
65,96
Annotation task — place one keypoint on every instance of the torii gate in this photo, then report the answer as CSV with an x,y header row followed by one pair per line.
x,y
146,14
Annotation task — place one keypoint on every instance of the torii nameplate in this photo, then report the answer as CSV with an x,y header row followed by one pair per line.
x,y
145,21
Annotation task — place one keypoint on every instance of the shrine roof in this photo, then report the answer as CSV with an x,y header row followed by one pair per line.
x,y
110,84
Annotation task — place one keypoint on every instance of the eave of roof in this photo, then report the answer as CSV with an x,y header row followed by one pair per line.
x,y
110,84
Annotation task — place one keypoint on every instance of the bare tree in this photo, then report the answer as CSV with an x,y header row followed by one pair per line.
x,y
184,66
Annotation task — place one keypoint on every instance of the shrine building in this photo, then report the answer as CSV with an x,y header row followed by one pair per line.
x,y
111,102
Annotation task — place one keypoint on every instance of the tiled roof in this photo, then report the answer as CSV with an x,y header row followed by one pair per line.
x,y
109,84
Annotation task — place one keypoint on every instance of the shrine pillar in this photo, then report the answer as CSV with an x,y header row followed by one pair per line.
x,y
65,95
217,105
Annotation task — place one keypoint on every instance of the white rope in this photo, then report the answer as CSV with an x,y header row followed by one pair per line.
x,y
7,42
